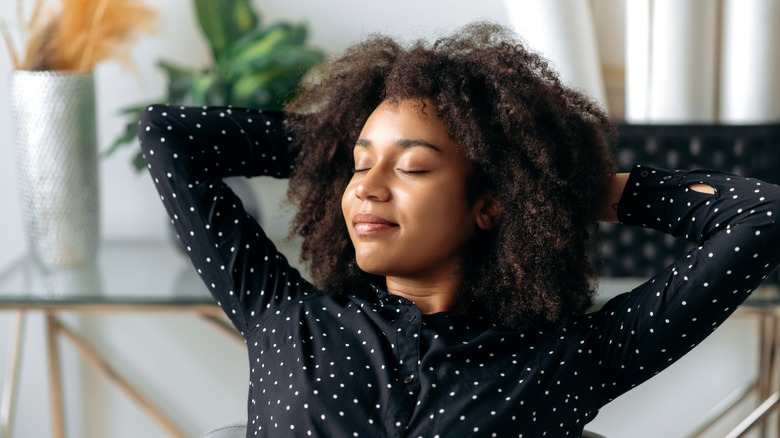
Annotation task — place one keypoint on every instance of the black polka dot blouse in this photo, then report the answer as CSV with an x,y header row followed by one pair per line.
x,y
340,366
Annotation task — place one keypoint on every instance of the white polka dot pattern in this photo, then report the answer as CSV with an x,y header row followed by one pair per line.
x,y
328,365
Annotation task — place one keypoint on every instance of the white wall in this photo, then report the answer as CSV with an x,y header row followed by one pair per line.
x,y
197,375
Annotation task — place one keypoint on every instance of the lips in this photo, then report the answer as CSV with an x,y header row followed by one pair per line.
x,y
365,223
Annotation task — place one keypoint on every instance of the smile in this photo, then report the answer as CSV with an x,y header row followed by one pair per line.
x,y
370,224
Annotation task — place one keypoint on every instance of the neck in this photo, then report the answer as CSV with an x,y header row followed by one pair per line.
x,y
430,297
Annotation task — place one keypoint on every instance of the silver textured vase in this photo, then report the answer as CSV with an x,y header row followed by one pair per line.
x,y
55,141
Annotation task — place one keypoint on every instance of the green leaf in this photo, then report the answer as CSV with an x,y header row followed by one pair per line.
x,y
252,66
174,72
259,44
138,162
131,129
285,57
270,87
225,21
127,137
245,17
180,81
253,88
200,89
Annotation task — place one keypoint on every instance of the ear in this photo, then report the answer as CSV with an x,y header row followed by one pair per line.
x,y
489,212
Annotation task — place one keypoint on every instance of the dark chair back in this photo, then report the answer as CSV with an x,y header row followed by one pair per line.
x,y
746,150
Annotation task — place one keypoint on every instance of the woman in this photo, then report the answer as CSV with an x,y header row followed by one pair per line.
x,y
447,197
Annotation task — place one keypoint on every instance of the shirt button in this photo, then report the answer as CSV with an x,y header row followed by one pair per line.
x,y
644,173
668,177
412,318
408,379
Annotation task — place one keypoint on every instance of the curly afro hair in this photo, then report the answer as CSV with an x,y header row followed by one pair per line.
x,y
539,148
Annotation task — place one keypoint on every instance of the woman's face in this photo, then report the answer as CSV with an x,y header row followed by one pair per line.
x,y
406,207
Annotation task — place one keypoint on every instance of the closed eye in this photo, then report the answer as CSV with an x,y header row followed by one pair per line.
x,y
412,171
362,169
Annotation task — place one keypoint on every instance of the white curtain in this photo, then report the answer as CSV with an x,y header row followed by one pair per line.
x,y
703,61
750,65
671,60
564,33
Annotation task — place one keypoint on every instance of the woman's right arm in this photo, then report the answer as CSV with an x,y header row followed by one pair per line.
x,y
188,151
732,221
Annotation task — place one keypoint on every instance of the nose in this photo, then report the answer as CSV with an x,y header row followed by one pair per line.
x,y
373,186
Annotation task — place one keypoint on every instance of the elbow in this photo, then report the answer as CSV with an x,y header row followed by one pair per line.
x,y
150,128
770,200
768,214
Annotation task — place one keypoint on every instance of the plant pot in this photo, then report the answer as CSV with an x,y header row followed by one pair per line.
x,y
53,121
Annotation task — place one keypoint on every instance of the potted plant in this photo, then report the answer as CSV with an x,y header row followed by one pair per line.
x,y
251,65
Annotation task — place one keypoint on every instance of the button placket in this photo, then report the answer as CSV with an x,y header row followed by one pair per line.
x,y
407,387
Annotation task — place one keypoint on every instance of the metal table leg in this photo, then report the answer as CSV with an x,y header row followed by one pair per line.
x,y
756,417
768,394
93,357
8,402
55,379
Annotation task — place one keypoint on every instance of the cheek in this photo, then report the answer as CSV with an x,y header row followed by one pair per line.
x,y
452,208
347,199
345,202
436,206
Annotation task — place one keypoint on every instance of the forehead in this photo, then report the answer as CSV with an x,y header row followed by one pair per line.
x,y
404,120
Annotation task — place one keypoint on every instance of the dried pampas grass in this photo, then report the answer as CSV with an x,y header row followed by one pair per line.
x,y
79,36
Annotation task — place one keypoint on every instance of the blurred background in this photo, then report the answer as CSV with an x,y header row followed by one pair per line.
x,y
674,61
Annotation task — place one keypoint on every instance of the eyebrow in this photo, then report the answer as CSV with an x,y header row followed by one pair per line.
x,y
404,143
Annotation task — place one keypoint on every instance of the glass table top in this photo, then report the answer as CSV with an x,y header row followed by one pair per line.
x,y
132,272
158,273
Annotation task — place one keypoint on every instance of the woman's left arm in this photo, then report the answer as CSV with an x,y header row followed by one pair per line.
x,y
733,221
608,210
617,184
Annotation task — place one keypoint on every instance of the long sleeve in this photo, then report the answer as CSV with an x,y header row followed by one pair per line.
x,y
188,151
640,333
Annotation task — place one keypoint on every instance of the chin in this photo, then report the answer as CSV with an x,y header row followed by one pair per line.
x,y
372,268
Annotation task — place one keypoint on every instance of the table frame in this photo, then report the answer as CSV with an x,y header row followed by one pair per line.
x,y
764,386
765,305
56,329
